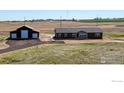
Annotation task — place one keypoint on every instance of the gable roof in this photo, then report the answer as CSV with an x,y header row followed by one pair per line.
x,y
29,27
25,26
75,30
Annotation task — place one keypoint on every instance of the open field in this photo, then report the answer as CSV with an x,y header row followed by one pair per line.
x,y
48,27
102,20
110,50
85,53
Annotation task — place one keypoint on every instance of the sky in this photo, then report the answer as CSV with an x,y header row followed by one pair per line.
x,y
62,4
55,14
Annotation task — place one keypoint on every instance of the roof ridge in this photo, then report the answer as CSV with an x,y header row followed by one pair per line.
x,y
27,27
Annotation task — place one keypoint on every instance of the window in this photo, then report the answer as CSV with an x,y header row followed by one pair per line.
x,y
73,35
34,35
97,34
13,35
59,35
65,35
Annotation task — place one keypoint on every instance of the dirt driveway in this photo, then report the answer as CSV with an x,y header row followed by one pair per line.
x,y
11,45
91,41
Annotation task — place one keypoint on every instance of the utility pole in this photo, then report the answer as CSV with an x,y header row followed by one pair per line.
x,y
97,19
24,21
60,21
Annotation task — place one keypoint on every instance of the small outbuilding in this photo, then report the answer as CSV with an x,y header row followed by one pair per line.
x,y
24,33
78,33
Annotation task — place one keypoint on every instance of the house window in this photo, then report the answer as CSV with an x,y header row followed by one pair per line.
x,y
73,35
14,35
59,35
34,35
65,35
97,34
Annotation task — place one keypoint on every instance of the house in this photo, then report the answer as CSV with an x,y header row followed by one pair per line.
x,y
24,32
78,33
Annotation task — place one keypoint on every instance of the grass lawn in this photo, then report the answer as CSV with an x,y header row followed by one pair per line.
x,y
102,20
114,34
2,37
85,53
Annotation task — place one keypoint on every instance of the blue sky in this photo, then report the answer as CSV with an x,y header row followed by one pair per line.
x,y
55,14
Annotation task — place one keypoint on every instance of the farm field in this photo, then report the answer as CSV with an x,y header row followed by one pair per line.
x,y
110,50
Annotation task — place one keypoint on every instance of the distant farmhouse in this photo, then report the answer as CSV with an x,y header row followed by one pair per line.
x,y
78,33
24,32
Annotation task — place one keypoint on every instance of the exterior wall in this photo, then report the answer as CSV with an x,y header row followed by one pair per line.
x,y
76,36
94,36
66,35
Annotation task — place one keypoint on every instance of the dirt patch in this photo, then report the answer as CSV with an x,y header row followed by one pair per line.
x,y
46,37
18,44
105,40
3,45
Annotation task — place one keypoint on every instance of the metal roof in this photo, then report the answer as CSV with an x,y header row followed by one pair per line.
x,y
26,26
75,30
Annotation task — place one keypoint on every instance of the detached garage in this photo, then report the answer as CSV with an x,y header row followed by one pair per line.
x,y
24,32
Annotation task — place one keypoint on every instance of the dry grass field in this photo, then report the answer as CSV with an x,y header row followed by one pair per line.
x,y
110,50
50,26
85,53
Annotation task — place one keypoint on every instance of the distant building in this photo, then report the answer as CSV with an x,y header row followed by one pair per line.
x,y
24,32
78,33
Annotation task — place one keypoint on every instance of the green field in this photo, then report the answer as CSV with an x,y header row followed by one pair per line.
x,y
102,20
85,53
2,37
114,34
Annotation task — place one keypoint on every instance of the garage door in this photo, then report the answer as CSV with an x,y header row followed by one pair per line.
x,y
34,35
24,33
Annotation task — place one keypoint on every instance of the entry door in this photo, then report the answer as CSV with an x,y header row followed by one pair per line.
x,y
24,33
82,35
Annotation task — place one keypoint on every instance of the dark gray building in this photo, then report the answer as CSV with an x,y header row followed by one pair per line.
x,y
24,32
78,33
